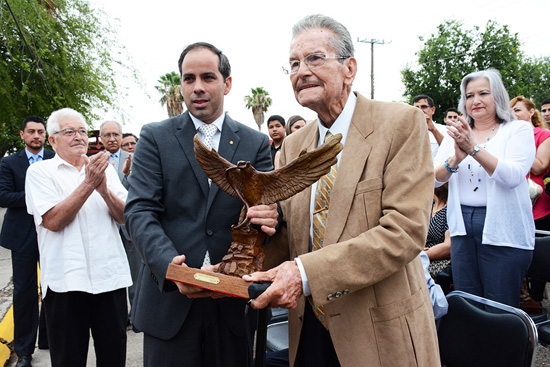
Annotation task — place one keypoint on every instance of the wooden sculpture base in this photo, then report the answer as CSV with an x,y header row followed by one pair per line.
x,y
245,256
216,282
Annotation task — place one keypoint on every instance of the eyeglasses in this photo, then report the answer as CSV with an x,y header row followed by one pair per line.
x,y
423,107
71,132
312,61
108,135
129,144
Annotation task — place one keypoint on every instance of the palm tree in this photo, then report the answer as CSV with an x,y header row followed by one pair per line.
x,y
171,96
259,101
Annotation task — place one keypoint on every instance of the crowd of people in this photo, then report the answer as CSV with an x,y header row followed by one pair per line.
x,y
345,256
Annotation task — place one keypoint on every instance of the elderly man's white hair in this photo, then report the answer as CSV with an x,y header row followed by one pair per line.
x,y
53,120
106,121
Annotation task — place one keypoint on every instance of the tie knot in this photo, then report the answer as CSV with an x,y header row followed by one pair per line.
x,y
208,130
328,136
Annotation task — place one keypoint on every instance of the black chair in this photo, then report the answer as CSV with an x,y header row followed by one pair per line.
x,y
277,330
540,269
486,333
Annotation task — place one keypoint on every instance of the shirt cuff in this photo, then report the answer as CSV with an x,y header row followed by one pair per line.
x,y
305,283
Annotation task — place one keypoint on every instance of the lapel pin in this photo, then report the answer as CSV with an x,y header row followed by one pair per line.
x,y
231,142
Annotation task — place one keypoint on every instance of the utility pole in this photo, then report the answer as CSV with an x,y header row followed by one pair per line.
x,y
372,41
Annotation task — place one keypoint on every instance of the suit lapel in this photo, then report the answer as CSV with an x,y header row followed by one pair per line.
x,y
302,201
24,160
229,143
121,159
185,131
48,154
350,169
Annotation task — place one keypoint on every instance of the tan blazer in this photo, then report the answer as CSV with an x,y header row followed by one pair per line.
x,y
369,275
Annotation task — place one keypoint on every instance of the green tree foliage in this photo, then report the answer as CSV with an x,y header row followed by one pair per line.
x,y
452,52
171,93
259,102
54,54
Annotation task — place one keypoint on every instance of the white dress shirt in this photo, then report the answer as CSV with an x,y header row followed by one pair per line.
x,y
87,255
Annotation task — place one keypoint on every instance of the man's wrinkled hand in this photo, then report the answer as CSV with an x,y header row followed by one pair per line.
x,y
127,164
264,216
286,289
95,168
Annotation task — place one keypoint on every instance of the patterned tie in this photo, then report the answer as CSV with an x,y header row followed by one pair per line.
x,y
322,201
33,159
114,160
208,131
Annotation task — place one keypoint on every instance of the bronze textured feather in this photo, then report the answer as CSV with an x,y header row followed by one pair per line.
x,y
256,188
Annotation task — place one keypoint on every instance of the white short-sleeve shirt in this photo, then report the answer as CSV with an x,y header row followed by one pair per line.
x,y
87,255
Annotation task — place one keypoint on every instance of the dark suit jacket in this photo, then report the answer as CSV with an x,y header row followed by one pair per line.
x,y
171,211
18,230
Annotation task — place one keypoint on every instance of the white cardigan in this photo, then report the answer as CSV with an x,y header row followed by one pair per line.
x,y
509,220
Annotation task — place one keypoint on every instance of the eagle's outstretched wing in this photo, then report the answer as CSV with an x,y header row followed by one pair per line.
x,y
276,185
213,165
299,174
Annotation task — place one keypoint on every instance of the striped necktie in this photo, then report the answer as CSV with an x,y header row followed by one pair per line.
x,y
320,213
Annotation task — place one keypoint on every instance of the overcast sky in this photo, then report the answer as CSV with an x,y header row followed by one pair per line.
x,y
255,35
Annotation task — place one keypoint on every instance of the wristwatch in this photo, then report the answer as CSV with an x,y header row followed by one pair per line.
x,y
476,149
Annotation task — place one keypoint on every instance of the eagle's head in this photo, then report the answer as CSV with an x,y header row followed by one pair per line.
x,y
243,165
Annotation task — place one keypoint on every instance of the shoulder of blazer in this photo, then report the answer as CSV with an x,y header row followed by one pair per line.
x,y
48,154
243,130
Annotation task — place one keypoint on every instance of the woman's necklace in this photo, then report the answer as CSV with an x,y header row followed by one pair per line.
x,y
474,182
489,136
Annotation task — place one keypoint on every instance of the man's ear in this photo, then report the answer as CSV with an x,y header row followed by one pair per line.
x,y
51,140
228,84
351,70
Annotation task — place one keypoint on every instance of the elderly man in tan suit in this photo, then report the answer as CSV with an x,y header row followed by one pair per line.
x,y
354,284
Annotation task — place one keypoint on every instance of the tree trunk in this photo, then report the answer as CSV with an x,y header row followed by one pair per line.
x,y
258,116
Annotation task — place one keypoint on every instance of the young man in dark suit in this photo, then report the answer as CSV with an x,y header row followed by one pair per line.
x,y
19,235
175,215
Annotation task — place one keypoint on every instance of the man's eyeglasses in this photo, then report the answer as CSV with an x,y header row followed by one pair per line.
x,y
71,132
129,144
108,135
312,61
423,106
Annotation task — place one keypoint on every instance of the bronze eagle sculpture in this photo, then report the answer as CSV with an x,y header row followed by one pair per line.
x,y
255,188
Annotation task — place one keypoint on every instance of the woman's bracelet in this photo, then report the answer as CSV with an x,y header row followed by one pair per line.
x,y
452,170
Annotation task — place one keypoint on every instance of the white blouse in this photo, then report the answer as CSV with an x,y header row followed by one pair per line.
x,y
509,220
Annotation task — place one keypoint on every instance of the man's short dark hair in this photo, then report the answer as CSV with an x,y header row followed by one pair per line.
x,y
224,67
32,118
452,109
546,101
125,135
276,117
423,96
